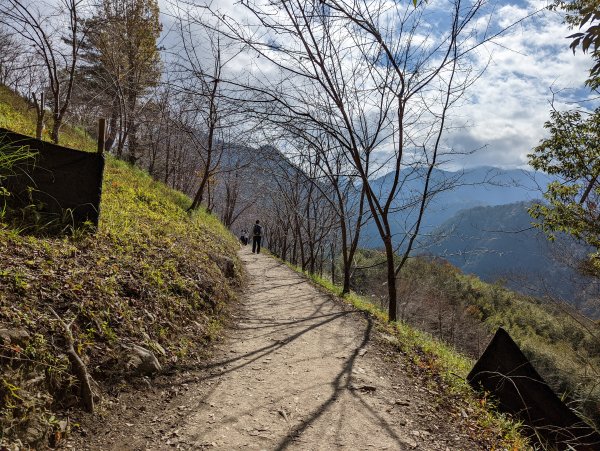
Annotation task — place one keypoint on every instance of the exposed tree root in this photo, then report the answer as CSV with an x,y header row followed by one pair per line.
x,y
85,380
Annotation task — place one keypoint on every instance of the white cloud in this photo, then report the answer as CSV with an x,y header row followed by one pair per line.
x,y
504,111
508,106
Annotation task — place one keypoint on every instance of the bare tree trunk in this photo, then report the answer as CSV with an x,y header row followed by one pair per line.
x,y
40,110
333,262
112,129
132,156
391,279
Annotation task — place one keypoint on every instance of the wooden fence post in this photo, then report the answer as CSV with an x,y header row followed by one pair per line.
x,y
101,134
40,112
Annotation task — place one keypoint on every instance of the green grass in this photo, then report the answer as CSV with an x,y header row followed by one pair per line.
x,y
465,311
17,115
152,275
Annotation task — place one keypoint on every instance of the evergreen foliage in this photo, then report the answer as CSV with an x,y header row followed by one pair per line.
x,y
572,152
581,14
122,62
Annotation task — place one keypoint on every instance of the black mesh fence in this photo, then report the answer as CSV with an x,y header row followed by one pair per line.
x,y
505,372
59,180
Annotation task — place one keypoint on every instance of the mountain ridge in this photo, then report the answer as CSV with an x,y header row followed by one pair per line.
x,y
499,243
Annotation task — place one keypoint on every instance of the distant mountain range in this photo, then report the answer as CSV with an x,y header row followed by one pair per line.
x,y
477,220
499,244
479,223
455,191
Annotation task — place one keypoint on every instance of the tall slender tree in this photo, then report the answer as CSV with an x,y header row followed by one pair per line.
x,y
122,63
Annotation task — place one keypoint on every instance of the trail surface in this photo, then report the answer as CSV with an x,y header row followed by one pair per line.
x,y
298,371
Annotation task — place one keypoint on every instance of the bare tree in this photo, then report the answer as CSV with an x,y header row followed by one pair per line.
x,y
11,61
378,85
301,216
215,116
157,125
335,179
42,26
209,83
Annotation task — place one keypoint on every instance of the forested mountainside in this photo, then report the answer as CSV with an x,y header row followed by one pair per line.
x,y
498,243
477,219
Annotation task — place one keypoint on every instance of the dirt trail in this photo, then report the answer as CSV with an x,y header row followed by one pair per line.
x,y
299,371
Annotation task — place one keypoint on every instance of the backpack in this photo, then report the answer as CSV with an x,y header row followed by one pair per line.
x,y
257,230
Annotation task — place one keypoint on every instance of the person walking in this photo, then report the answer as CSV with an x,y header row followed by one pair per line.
x,y
244,237
257,232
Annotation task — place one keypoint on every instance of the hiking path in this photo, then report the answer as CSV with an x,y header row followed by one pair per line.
x,y
298,370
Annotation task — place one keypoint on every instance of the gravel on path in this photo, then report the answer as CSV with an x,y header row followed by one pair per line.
x,y
299,370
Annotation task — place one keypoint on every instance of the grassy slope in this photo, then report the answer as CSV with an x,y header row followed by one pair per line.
x,y
17,115
152,275
561,344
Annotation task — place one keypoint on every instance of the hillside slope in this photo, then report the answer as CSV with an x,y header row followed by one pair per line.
x,y
17,115
152,277
498,242
463,311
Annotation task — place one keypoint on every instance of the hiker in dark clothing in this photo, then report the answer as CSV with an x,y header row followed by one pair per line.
x,y
257,232
244,237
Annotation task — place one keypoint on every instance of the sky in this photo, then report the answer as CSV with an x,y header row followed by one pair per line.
x,y
529,68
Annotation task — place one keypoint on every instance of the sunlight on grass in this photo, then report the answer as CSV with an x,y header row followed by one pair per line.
x,y
151,274
436,359
18,116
